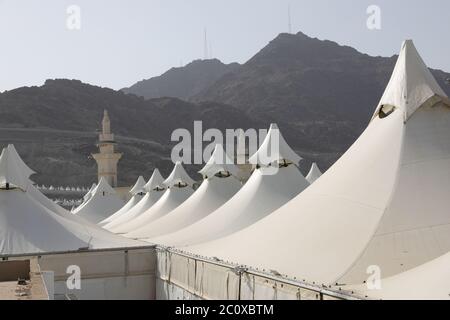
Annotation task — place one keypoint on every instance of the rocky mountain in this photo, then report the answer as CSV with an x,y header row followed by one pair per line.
x,y
322,93
54,128
183,82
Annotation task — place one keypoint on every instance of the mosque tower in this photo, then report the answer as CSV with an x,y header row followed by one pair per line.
x,y
107,159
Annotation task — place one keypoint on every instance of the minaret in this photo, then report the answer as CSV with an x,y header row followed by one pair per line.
x,y
107,159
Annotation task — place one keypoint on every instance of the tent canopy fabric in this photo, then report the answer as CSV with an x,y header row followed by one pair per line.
x,y
212,193
137,191
156,181
170,200
263,193
127,207
314,173
27,172
412,85
32,223
138,186
89,193
102,203
12,172
385,202
178,176
274,149
154,193
219,163
179,188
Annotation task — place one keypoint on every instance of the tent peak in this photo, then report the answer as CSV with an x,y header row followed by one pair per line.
x,y
274,149
155,181
138,186
178,176
219,163
12,172
411,86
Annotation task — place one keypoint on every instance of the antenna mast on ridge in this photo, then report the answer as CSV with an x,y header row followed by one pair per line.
x,y
205,46
289,19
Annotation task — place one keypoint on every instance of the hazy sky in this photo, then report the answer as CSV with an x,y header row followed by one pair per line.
x,y
121,42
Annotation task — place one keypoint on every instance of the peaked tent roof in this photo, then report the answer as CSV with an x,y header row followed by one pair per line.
x,y
127,207
142,206
261,195
138,186
102,203
27,225
179,189
137,191
35,194
177,176
212,193
219,162
89,193
155,181
274,149
385,202
314,173
12,171
27,172
154,192
170,200
412,84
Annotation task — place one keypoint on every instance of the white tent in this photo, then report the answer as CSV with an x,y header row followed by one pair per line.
x,y
12,172
35,194
268,188
430,281
137,192
27,226
179,188
384,203
314,173
218,186
102,203
274,149
154,189
26,170
88,194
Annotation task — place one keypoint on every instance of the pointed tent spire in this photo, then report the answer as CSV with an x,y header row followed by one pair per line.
x,y
219,162
155,181
178,176
314,173
16,157
411,85
11,171
103,186
274,149
89,193
138,186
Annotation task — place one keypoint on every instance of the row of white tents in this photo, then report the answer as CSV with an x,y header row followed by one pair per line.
x,y
32,223
384,204
72,189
